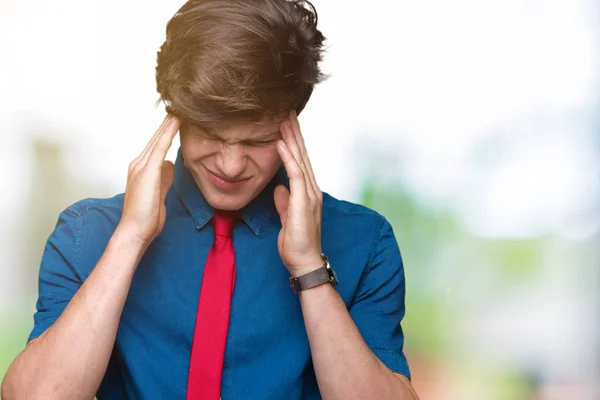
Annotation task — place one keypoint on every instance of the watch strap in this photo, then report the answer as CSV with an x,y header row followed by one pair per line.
x,y
310,280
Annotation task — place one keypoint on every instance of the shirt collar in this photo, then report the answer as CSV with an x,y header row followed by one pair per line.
x,y
256,214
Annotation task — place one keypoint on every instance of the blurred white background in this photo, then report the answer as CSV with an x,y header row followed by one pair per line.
x,y
482,113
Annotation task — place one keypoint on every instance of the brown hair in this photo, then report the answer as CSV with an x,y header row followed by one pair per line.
x,y
238,60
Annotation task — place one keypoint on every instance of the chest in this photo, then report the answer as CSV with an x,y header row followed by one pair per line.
x,y
266,331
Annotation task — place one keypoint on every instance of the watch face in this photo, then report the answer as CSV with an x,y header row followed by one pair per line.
x,y
332,274
294,285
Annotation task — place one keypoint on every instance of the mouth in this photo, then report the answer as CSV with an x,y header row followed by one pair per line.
x,y
225,184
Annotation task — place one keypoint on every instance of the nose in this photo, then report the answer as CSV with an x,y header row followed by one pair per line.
x,y
231,161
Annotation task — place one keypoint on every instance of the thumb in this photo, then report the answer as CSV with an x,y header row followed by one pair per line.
x,y
282,200
166,179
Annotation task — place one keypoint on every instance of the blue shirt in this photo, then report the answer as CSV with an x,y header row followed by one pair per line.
x,y
267,354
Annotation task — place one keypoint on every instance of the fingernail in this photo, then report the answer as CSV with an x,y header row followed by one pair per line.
x,y
294,114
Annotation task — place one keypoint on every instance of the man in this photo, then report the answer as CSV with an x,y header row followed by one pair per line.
x,y
180,287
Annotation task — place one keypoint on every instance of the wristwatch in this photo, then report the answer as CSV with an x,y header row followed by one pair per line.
x,y
325,274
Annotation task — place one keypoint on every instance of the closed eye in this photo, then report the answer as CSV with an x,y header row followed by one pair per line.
x,y
263,142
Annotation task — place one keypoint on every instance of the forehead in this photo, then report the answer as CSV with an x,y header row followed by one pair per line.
x,y
242,130
246,130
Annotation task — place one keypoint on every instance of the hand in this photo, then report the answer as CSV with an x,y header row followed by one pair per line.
x,y
148,181
299,241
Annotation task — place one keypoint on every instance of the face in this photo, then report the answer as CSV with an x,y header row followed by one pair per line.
x,y
232,163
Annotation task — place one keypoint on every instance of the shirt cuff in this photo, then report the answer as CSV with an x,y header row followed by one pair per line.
x,y
40,327
395,362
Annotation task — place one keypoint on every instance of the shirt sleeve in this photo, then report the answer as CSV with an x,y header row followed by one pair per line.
x,y
58,278
378,307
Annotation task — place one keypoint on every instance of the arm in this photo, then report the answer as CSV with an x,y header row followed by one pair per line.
x,y
369,331
69,359
345,366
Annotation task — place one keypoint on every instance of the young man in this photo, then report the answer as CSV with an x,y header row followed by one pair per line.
x,y
180,288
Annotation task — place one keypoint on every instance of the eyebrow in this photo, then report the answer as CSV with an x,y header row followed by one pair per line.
x,y
212,134
265,135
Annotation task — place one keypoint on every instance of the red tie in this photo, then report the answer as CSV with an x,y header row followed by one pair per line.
x,y
212,318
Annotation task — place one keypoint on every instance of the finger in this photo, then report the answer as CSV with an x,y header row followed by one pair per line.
x,y
163,130
166,179
164,142
288,136
282,201
143,157
297,181
303,151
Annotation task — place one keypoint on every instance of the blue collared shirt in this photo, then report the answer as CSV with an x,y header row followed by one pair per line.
x,y
267,354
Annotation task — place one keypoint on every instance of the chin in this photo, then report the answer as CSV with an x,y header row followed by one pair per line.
x,y
227,203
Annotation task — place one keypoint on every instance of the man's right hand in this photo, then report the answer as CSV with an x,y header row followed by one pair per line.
x,y
148,181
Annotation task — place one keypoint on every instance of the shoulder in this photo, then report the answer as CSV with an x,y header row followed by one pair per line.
x,y
348,225
360,243
81,233
95,212
90,223
336,211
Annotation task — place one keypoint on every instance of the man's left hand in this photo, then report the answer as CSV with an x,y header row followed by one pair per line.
x,y
299,241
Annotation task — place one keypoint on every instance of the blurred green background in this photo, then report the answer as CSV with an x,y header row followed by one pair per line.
x,y
473,126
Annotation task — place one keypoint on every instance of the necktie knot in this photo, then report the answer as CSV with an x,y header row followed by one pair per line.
x,y
223,224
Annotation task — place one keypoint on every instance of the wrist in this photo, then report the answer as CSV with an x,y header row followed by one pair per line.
x,y
306,268
310,277
319,290
122,254
126,235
